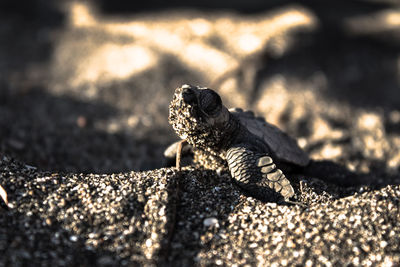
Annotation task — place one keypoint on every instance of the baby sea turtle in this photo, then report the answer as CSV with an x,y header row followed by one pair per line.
x,y
254,150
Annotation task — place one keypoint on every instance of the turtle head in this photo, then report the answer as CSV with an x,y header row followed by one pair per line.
x,y
198,115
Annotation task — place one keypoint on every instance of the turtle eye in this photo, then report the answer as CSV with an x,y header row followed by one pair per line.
x,y
189,96
210,102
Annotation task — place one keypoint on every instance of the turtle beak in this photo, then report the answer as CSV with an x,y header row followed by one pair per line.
x,y
189,96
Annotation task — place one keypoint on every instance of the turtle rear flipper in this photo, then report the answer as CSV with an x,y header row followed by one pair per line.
x,y
172,150
257,174
176,151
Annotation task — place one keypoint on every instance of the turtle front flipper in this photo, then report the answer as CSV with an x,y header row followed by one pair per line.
x,y
257,174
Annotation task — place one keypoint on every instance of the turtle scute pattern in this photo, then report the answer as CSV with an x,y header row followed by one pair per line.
x,y
284,147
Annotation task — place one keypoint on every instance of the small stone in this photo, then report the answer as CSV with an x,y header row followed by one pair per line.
x,y
81,121
105,260
211,222
29,167
149,243
219,262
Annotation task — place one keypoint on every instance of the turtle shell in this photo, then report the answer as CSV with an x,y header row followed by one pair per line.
x,y
284,147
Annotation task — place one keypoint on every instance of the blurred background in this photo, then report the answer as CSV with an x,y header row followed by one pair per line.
x,y
85,85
